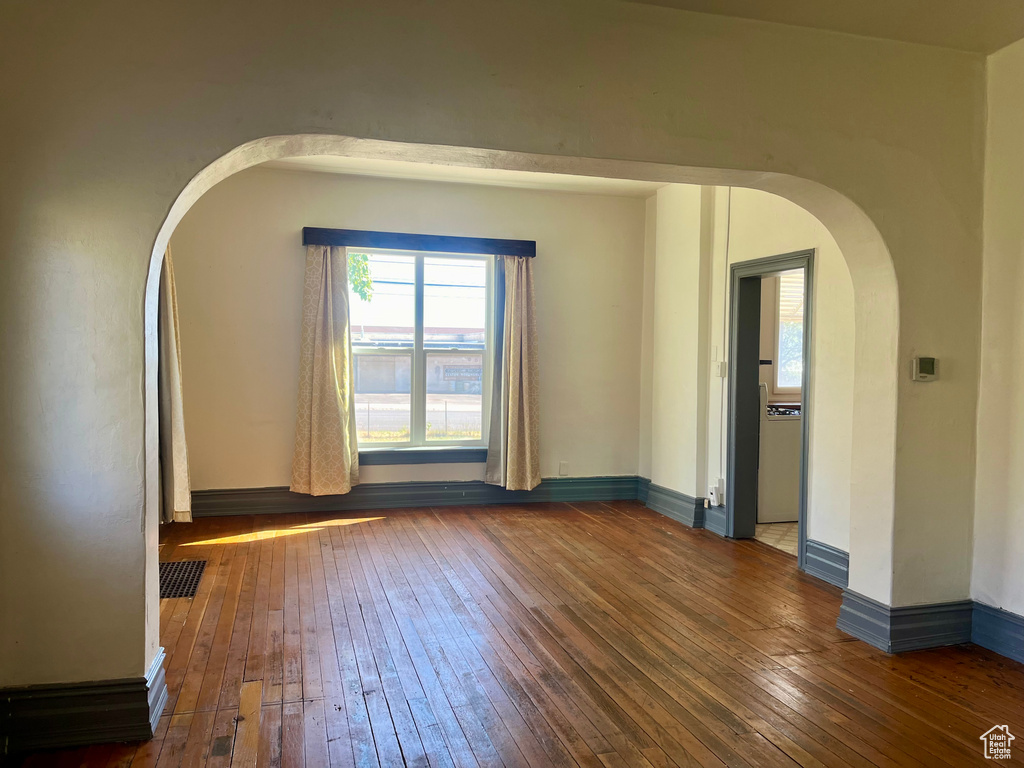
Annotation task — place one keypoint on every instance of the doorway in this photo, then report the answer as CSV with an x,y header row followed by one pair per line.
x,y
769,386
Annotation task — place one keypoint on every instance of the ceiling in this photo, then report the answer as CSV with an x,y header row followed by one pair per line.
x,y
980,26
404,169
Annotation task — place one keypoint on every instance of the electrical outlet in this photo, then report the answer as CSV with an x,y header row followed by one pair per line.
x,y
563,468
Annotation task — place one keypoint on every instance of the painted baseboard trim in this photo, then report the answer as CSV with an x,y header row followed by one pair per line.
x,y
998,630
908,628
715,520
255,501
931,626
75,714
679,506
643,489
827,563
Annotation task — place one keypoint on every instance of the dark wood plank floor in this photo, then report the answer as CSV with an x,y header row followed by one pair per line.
x,y
545,635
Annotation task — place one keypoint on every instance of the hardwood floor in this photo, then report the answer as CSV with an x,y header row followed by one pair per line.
x,y
588,634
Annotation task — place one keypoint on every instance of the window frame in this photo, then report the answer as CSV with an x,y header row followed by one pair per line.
x,y
777,367
418,379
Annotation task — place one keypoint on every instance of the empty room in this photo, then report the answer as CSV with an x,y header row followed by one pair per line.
x,y
523,383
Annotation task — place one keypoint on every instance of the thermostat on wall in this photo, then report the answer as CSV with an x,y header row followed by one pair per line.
x,y
925,369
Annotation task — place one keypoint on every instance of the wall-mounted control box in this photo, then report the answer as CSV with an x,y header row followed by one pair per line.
x,y
925,369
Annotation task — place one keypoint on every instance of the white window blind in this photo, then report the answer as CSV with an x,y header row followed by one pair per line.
x,y
791,297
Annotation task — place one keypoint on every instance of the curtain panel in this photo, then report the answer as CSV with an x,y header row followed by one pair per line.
x,y
326,457
513,455
175,485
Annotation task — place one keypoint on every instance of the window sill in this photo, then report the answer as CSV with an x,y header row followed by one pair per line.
x,y
454,455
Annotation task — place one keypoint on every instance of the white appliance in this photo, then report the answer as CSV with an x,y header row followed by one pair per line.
x,y
778,471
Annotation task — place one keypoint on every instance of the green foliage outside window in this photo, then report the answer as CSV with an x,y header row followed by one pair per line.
x,y
791,354
359,279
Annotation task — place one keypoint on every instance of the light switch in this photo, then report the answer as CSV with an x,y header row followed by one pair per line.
x,y
925,369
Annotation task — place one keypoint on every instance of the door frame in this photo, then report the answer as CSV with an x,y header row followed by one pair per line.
x,y
741,525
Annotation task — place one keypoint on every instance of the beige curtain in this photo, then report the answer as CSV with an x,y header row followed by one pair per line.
x,y
513,458
326,458
175,488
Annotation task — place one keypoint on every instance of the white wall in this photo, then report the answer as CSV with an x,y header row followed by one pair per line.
x,y
647,338
239,264
103,131
676,331
998,573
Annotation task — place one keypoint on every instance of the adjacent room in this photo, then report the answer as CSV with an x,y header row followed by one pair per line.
x,y
627,385
605,383
613,258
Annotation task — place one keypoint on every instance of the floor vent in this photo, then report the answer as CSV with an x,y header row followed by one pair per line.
x,y
180,578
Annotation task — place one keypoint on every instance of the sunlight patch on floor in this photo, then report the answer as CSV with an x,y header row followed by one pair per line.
x,y
275,533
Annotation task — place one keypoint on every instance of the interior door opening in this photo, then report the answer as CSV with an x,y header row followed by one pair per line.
x,y
766,495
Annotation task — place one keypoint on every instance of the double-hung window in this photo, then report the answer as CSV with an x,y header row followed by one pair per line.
x,y
421,339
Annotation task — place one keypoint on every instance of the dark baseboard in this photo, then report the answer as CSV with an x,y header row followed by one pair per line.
x,y
998,630
643,489
75,714
679,506
827,563
254,501
714,520
931,626
909,628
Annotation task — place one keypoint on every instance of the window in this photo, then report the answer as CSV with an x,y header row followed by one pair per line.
x,y
421,338
789,333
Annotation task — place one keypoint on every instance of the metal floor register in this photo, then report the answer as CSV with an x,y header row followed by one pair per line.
x,y
180,578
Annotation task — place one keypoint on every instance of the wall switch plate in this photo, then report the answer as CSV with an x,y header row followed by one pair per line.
x,y
563,468
925,369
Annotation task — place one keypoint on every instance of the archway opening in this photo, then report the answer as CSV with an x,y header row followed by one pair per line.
x,y
868,261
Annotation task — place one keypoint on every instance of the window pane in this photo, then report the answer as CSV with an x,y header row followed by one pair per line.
x,y
454,303
455,396
382,397
382,296
790,368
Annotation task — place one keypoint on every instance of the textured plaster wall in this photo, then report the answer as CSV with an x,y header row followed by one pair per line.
x,y
111,107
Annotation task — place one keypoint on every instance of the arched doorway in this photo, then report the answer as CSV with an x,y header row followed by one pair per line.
x,y
876,309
